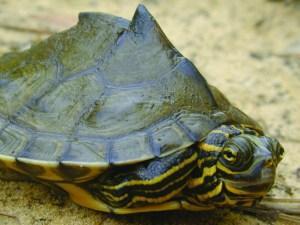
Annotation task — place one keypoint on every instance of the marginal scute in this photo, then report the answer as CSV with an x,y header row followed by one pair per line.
x,y
198,124
84,160
168,137
86,151
13,140
44,148
131,149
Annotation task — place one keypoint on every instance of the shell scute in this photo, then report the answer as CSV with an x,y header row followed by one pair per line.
x,y
141,53
82,46
61,108
21,82
198,124
131,149
168,137
44,148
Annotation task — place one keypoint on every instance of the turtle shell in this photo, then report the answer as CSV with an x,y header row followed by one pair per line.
x,y
107,91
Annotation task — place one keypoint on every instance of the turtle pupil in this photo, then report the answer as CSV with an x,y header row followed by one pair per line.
x,y
228,155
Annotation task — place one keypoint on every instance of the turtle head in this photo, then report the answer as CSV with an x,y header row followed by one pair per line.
x,y
247,165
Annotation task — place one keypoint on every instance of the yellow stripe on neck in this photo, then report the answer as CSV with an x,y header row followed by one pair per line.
x,y
207,172
122,197
209,148
156,200
156,179
217,190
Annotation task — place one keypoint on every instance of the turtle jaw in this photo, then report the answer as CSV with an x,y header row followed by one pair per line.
x,y
250,188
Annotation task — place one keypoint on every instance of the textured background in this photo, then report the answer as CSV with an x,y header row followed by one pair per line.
x,y
248,49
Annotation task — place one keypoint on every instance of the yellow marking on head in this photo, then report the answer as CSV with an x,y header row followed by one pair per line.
x,y
225,169
156,179
209,148
217,190
207,172
239,191
83,198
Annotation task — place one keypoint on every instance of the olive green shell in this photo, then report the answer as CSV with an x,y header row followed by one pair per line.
x,y
107,91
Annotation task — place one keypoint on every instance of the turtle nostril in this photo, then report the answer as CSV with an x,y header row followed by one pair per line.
x,y
269,163
281,152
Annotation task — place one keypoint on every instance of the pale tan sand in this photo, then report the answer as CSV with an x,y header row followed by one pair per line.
x,y
246,48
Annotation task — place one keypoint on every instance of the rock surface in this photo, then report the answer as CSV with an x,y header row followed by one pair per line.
x,y
248,49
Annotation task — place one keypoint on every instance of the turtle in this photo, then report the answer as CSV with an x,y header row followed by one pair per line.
x,y
112,113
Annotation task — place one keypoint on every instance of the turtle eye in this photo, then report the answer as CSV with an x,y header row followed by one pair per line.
x,y
229,155
237,155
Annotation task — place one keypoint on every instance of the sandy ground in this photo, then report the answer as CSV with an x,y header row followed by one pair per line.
x,y
249,49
